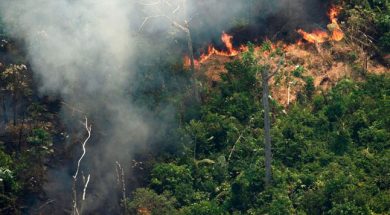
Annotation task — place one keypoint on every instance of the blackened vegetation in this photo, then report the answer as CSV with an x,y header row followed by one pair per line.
x,y
275,20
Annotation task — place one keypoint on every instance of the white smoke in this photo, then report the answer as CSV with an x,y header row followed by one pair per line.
x,y
85,51
84,42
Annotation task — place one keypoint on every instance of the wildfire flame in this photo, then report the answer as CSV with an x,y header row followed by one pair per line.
x,y
337,33
321,36
317,36
211,50
228,41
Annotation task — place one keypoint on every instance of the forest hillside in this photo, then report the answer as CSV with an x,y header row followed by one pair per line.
x,y
195,107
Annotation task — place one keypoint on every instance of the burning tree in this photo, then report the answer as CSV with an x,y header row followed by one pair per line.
x,y
321,36
211,50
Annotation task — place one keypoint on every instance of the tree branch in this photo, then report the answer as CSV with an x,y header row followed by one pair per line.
x,y
147,19
281,61
174,11
85,186
88,128
234,146
121,183
75,210
73,108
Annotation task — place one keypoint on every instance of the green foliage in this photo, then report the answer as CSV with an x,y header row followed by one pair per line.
x,y
384,41
26,143
203,208
348,208
40,137
266,46
309,87
146,201
297,72
173,178
341,142
369,18
331,152
15,80
5,159
9,185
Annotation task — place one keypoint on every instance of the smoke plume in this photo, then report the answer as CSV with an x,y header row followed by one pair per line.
x,y
88,53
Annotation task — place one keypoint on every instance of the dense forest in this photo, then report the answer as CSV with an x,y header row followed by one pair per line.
x,y
142,107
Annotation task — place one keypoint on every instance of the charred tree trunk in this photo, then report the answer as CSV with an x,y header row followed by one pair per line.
x,y
191,55
190,48
267,128
14,105
187,31
14,96
5,116
21,132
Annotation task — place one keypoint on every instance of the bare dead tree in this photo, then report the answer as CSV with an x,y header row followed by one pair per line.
x,y
77,209
265,77
267,128
289,93
120,173
169,15
184,27
240,136
234,145
73,108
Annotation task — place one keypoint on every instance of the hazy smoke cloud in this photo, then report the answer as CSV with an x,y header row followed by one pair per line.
x,y
86,52
83,50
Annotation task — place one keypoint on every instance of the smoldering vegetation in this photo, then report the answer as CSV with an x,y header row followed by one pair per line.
x,y
93,55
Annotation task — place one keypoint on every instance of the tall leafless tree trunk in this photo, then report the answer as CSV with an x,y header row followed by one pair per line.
x,y
120,174
187,31
267,128
181,26
77,207
191,53
190,48
4,106
265,77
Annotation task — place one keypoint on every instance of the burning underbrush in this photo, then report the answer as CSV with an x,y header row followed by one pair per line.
x,y
324,55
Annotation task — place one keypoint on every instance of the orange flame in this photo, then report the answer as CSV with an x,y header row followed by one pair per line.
x,y
211,50
333,14
228,41
337,33
320,36
317,36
